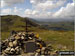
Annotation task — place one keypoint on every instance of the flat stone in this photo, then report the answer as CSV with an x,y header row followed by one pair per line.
x,y
11,44
15,43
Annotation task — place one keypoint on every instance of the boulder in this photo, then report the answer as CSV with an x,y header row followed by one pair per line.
x,y
12,38
15,43
37,54
23,33
38,50
17,37
43,48
7,50
22,37
12,50
16,47
18,50
30,38
20,33
11,44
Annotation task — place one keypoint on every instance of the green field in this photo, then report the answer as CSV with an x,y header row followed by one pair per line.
x,y
58,39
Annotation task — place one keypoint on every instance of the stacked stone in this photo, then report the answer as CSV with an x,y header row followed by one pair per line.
x,y
13,45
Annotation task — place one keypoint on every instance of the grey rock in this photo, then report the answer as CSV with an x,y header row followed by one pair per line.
x,y
15,43
11,44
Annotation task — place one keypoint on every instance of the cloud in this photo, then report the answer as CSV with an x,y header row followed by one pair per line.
x,y
47,4
37,14
41,9
2,4
10,11
10,2
63,12
31,12
6,11
36,1
67,11
17,11
28,12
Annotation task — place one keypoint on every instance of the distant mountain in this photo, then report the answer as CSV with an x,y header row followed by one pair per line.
x,y
61,25
14,22
17,23
56,24
55,20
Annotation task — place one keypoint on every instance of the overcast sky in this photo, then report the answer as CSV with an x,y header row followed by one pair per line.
x,y
43,9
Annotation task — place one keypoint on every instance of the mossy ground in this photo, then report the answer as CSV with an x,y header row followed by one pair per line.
x,y
61,40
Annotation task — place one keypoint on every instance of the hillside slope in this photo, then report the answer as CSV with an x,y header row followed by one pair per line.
x,y
17,23
58,39
12,21
61,25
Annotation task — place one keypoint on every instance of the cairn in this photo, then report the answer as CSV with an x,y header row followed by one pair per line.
x,y
15,44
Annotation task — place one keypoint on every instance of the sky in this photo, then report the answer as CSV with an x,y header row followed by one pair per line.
x,y
39,9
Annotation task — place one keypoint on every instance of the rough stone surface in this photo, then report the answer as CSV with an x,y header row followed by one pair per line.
x,y
15,45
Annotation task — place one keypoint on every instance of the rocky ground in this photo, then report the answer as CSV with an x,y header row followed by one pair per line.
x,y
15,45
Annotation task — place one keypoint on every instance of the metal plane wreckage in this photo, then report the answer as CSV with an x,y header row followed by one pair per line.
x,y
24,44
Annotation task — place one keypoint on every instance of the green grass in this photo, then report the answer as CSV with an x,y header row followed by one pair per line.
x,y
4,35
58,39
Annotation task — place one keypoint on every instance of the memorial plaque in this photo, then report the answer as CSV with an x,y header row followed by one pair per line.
x,y
31,47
